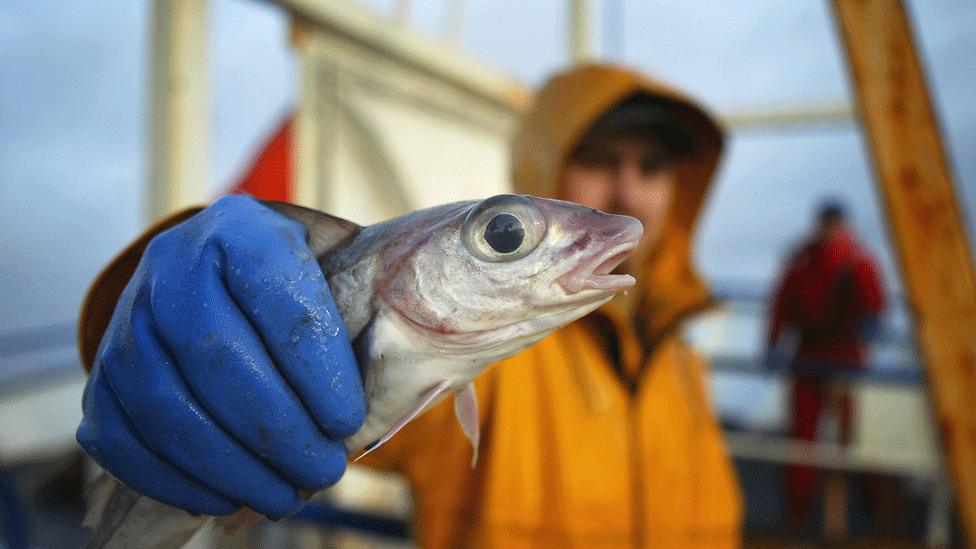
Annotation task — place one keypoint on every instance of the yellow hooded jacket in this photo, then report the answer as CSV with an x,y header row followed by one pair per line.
x,y
575,451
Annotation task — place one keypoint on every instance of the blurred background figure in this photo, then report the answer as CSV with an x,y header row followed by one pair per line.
x,y
826,309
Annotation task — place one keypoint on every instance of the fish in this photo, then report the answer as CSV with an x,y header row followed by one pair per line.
x,y
430,300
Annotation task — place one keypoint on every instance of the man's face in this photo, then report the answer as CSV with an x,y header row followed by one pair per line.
x,y
624,174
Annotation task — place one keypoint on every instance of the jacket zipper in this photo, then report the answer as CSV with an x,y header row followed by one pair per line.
x,y
631,386
637,486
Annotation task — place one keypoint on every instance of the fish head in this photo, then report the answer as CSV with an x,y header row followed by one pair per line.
x,y
487,279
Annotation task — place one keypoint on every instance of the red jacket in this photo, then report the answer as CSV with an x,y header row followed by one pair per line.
x,y
829,290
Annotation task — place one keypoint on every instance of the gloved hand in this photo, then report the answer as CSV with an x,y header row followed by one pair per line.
x,y
225,377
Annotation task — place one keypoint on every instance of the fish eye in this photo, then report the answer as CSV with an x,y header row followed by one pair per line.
x,y
504,233
503,228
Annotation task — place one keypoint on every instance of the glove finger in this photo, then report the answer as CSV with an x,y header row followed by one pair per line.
x,y
168,418
286,297
226,366
108,436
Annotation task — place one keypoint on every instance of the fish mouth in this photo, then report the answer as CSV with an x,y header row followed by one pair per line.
x,y
597,274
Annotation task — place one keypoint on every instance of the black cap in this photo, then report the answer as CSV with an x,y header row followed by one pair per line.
x,y
644,114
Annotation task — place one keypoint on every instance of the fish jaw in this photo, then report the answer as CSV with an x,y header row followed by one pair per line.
x,y
602,242
598,273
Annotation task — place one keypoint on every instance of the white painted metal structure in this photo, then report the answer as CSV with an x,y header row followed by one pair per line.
x,y
389,121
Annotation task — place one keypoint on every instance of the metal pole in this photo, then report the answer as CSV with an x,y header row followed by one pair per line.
x,y
179,142
581,31
836,113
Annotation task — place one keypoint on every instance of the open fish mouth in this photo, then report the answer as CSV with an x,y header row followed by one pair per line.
x,y
597,274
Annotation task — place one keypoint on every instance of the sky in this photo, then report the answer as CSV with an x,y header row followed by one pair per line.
x,y
74,103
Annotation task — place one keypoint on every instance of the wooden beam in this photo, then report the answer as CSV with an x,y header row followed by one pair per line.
x,y
179,142
924,218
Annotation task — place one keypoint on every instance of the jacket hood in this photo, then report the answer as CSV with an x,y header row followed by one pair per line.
x,y
668,286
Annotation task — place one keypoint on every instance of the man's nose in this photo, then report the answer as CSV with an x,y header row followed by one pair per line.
x,y
627,177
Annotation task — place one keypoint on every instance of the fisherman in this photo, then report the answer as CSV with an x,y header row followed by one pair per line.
x,y
825,312
601,434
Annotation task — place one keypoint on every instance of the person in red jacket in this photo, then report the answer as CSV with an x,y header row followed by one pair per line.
x,y
824,313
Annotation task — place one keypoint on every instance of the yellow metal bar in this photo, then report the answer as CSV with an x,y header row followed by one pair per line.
x,y
924,217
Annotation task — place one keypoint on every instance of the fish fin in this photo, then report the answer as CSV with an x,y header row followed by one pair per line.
x,y
466,411
425,400
324,231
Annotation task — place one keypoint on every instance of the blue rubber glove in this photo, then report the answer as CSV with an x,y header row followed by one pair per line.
x,y
225,377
